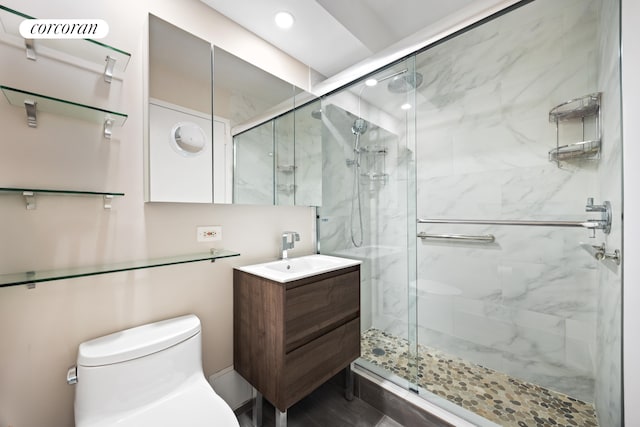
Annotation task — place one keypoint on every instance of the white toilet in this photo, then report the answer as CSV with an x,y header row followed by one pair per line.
x,y
148,376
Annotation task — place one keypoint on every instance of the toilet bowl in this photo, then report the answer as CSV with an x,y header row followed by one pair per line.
x,y
147,376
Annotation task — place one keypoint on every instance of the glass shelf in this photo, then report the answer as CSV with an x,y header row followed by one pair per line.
x,y
18,97
90,50
33,277
68,192
30,194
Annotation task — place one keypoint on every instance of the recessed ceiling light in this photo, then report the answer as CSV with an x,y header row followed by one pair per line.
x,y
284,20
371,82
406,106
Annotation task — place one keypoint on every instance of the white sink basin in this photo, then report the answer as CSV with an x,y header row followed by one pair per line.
x,y
287,270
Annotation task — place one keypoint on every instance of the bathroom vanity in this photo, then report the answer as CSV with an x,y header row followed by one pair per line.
x,y
291,333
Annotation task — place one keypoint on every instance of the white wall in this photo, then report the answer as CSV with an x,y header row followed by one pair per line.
x,y
40,329
631,237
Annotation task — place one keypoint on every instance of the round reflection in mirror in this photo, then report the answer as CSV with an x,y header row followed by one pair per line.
x,y
188,139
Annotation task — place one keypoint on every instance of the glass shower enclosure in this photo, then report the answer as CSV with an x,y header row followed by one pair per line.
x,y
479,181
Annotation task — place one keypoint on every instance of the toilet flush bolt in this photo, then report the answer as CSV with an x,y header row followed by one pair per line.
x,y
72,376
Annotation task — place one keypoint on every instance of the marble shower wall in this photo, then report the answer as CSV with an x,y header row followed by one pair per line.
x,y
526,305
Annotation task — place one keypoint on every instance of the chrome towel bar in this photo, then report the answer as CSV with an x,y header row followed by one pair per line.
x,y
486,238
604,223
590,223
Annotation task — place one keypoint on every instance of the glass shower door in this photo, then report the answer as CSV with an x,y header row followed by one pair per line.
x,y
518,303
368,200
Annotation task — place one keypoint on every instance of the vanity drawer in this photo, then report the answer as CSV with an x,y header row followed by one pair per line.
x,y
314,363
316,308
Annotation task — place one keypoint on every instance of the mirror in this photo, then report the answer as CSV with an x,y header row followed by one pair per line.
x,y
268,152
211,136
308,154
180,143
280,161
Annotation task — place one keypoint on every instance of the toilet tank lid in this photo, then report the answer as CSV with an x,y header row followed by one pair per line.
x,y
137,342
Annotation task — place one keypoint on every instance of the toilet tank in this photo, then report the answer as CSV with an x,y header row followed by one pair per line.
x,y
134,368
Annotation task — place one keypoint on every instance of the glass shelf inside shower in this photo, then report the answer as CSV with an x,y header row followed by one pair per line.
x,y
32,277
87,49
19,98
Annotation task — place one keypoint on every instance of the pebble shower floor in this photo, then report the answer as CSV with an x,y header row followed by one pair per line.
x,y
495,396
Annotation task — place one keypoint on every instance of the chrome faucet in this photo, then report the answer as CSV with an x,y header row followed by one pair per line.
x,y
288,241
604,223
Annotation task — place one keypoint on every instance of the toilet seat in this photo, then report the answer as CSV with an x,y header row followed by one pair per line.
x,y
195,405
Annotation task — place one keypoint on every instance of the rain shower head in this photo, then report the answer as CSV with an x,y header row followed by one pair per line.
x,y
404,82
359,127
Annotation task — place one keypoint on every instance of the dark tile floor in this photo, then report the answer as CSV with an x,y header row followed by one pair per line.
x,y
326,407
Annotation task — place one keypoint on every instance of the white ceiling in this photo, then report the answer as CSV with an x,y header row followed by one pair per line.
x,y
332,35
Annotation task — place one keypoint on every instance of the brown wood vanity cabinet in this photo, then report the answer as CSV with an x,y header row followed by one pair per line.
x,y
290,338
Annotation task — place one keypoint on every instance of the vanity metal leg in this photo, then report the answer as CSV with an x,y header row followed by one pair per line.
x,y
281,418
257,410
348,389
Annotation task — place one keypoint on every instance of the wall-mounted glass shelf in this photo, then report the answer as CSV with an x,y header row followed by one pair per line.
x,y
33,277
30,194
91,50
34,102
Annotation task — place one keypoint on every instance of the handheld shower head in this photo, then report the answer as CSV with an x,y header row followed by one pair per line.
x,y
359,127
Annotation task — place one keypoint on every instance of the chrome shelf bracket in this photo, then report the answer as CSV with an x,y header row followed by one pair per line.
x,y
30,49
30,106
30,199
108,68
107,198
108,128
